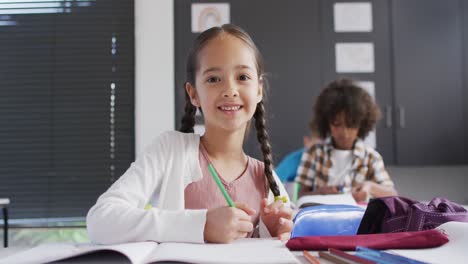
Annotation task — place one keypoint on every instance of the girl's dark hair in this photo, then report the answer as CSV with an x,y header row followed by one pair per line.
x,y
188,120
344,95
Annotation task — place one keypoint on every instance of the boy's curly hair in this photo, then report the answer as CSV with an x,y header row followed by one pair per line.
x,y
344,95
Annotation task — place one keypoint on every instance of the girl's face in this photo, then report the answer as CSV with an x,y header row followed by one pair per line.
x,y
227,87
342,135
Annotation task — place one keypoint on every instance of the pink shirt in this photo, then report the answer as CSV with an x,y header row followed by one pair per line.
x,y
248,188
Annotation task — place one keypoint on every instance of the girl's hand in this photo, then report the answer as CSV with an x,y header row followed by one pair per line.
x,y
277,218
226,224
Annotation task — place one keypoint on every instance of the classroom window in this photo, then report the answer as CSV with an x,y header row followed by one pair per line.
x,y
66,103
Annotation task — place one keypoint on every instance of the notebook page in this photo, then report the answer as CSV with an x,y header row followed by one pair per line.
x,y
136,252
345,198
241,251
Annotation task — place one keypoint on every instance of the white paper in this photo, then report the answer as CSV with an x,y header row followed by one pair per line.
x,y
455,251
43,253
353,17
369,86
345,198
242,251
205,16
354,57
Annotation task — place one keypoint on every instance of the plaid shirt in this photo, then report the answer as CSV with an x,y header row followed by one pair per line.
x,y
315,165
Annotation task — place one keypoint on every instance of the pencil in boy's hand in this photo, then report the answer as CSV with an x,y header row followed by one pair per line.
x,y
220,185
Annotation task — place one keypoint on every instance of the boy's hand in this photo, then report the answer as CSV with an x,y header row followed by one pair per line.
x,y
277,218
363,191
372,189
328,190
226,224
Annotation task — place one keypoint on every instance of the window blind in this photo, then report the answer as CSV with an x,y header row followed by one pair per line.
x,y
66,103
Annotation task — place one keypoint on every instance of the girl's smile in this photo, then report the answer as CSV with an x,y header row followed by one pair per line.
x,y
230,109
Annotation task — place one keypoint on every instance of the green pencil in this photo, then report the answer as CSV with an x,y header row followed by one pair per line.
x,y
220,185
296,191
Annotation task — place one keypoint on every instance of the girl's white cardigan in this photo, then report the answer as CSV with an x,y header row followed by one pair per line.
x,y
159,176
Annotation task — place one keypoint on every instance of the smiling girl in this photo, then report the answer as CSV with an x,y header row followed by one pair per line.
x,y
225,80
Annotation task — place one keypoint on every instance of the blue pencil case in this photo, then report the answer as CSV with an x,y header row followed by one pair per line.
x,y
327,220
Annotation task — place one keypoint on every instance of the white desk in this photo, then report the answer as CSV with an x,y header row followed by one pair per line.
x,y
452,252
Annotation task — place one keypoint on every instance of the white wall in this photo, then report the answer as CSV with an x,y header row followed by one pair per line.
x,y
154,70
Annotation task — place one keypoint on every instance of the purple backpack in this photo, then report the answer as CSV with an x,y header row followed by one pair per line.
x,y
399,214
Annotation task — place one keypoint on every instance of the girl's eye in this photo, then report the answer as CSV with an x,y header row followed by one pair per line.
x,y
244,77
213,79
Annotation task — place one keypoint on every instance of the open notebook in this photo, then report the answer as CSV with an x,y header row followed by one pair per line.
x,y
241,251
345,198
